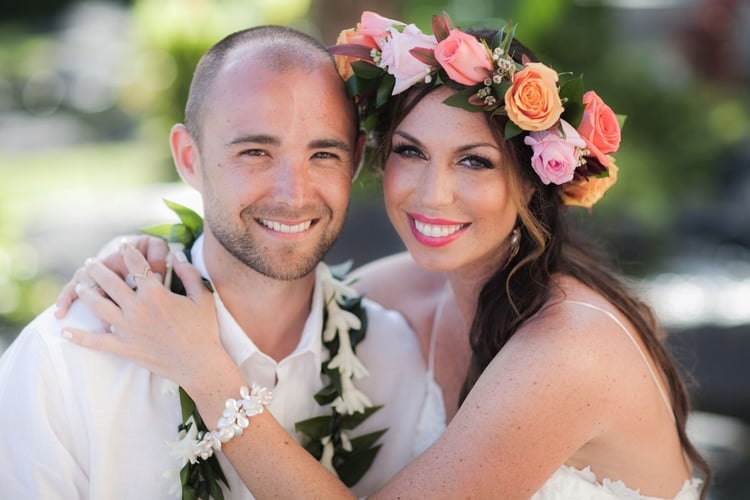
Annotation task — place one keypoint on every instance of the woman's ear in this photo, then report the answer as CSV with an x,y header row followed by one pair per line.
x,y
185,156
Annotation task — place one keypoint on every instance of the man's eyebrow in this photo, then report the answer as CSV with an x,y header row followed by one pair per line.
x,y
330,143
255,139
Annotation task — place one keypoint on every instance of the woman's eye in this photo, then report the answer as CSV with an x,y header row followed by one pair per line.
x,y
407,151
474,161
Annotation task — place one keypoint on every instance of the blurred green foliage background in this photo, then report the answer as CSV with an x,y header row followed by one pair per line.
x,y
88,91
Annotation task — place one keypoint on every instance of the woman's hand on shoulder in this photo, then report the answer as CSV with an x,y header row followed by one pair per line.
x,y
172,335
154,249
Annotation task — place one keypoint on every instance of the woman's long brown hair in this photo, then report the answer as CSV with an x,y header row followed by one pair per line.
x,y
547,248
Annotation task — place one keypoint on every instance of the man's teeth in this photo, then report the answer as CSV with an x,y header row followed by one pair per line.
x,y
284,228
436,231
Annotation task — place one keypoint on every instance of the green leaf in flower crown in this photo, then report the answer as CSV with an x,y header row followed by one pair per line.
x,y
366,70
352,86
621,119
461,100
512,130
385,90
571,92
352,421
315,428
499,89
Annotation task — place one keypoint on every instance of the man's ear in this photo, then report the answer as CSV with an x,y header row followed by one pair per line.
x,y
359,151
185,156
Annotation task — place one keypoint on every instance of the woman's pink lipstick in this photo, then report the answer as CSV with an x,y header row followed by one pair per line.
x,y
435,232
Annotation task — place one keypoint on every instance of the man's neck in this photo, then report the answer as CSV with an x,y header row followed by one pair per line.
x,y
271,312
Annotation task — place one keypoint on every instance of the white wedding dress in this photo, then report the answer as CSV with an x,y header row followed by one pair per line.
x,y
567,483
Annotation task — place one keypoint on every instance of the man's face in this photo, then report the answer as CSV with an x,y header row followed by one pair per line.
x,y
277,156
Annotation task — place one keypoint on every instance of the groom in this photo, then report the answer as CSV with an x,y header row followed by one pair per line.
x,y
270,142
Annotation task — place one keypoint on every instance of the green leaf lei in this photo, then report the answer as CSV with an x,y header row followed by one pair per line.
x,y
329,440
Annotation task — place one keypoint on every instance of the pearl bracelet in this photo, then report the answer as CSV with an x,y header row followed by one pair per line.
x,y
234,420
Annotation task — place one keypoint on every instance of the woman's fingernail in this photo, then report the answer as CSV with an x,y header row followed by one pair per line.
x,y
78,288
123,245
181,256
67,334
158,277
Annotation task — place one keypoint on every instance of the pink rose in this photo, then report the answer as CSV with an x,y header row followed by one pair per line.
x,y
375,26
464,58
406,68
556,153
599,125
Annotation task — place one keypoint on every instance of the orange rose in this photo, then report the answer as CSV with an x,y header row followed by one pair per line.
x,y
586,192
533,102
351,36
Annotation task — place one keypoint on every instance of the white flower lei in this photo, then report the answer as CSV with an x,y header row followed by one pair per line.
x,y
345,325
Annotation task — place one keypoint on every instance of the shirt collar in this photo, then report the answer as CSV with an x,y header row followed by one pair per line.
x,y
239,345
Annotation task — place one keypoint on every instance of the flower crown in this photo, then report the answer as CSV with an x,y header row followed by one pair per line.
x,y
572,134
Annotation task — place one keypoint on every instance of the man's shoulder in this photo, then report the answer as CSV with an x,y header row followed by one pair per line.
x,y
40,352
45,330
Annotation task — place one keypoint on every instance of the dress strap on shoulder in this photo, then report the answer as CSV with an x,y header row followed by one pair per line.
x,y
619,323
434,331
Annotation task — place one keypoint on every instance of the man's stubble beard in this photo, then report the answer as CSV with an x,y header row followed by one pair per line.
x,y
288,263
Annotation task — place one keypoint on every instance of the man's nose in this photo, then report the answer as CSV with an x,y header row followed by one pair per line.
x,y
291,182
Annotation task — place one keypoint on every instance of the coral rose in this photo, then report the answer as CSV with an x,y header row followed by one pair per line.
x,y
464,58
406,68
599,124
586,192
533,102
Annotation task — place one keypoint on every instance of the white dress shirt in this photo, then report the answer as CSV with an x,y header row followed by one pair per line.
x,y
78,423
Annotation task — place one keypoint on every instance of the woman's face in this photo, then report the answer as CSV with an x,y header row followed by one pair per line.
x,y
446,189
